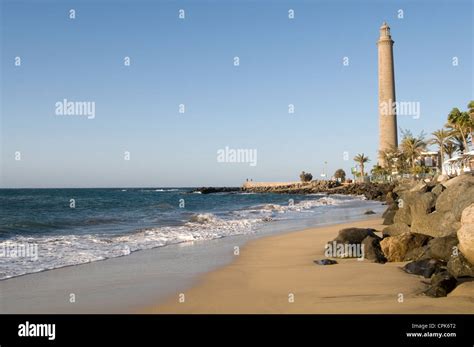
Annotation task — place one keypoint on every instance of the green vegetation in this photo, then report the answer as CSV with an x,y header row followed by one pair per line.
x,y
305,177
340,174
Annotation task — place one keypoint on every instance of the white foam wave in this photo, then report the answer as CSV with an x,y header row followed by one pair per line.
x,y
64,250
60,251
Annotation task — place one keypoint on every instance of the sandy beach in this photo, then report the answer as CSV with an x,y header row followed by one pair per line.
x,y
276,274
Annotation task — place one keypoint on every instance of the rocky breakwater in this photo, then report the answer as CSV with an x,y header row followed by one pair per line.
x,y
372,191
430,232
210,190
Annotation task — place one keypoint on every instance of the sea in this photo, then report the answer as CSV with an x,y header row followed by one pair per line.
x,y
43,229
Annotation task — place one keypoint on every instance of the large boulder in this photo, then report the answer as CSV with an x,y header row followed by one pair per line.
x,y
459,266
442,248
395,248
458,195
458,180
466,233
419,187
413,205
372,250
403,214
422,204
354,235
437,190
396,229
436,224
389,214
424,267
417,254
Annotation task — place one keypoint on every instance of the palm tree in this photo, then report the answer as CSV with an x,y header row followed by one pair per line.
x,y
412,146
461,122
440,138
449,148
459,142
470,106
361,159
391,157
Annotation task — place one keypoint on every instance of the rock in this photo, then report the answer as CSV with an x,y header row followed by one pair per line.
x,y
391,198
389,214
417,254
442,178
325,262
458,266
458,180
422,204
403,214
436,224
466,233
419,187
354,235
442,283
437,190
458,195
396,229
372,250
424,267
396,247
467,216
369,212
442,248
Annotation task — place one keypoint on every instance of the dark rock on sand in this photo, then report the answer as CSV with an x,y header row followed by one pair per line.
x,y
372,250
442,283
424,267
325,262
354,235
369,212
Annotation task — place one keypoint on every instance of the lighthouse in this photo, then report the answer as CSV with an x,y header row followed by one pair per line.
x,y
387,111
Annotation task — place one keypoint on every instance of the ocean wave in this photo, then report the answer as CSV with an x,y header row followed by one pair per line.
x,y
300,206
65,250
55,251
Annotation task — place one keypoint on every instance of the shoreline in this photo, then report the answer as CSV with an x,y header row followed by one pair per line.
x,y
126,284
276,274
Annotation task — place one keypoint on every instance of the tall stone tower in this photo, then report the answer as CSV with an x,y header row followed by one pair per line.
x,y
387,114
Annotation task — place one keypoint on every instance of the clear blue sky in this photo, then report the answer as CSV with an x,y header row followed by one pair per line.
x,y
190,61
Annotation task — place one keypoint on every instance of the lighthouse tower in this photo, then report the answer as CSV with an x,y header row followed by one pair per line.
x,y
387,114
